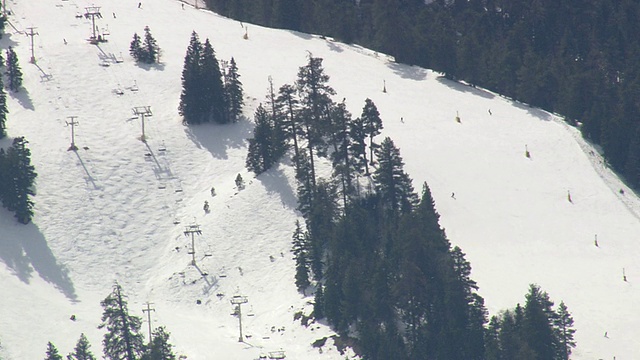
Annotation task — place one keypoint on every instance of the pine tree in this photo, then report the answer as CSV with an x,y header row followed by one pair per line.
x,y
159,348
288,101
52,352
315,98
392,183
135,48
150,49
13,70
191,104
123,340
372,124
321,223
318,303
278,121
358,146
491,339
564,329
300,252
3,111
18,180
344,168
260,155
538,323
82,350
233,91
304,190
213,94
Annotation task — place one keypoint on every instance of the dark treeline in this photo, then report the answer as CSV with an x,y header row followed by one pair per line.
x,y
576,58
371,250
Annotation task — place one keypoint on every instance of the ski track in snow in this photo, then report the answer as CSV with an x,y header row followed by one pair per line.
x,y
117,209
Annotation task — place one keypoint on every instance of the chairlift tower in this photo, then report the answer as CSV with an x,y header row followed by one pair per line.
x,y
148,310
72,123
142,111
193,230
239,300
93,12
31,33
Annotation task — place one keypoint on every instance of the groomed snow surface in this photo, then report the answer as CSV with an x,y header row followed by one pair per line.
x,y
117,209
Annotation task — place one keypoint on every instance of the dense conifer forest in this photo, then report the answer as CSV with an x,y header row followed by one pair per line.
x,y
577,58
372,251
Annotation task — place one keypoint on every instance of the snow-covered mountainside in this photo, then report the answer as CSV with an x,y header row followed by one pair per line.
x,y
117,209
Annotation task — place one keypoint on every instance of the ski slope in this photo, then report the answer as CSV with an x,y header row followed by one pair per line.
x,y
117,209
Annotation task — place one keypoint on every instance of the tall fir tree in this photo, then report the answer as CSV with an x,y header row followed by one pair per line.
x,y
191,107
233,91
342,162
82,350
3,110
159,348
358,146
260,154
539,319
289,103
17,179
279,122
13,70
123,339
372,125
318,303
315,97
563,325
321,223
304,190
151,50
213,94
392,183
300,250
52,352
135,48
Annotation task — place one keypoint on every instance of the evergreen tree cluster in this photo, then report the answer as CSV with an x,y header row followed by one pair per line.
x,y
123,339
209,94
17,180
370,248
13,72
145,50
578,59
535,331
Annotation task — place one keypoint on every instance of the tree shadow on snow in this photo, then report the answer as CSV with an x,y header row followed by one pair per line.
x,y
532,110
455,85
23,249
23,98
408,71
149,67
217,138
7,40
333,46
275,181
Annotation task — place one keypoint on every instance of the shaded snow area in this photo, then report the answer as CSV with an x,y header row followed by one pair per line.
x,y
117,208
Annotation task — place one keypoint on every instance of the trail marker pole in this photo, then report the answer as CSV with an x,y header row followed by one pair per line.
x,y
239,300
72,123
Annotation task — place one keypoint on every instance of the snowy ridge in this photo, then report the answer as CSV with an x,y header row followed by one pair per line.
x,y
118,209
